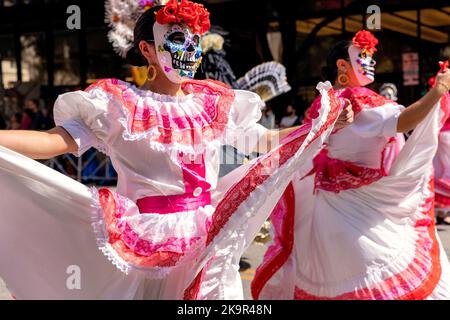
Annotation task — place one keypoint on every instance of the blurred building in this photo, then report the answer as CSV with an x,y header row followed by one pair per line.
x,y
39,56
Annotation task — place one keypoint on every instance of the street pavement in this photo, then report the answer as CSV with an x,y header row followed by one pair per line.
x,y
252,259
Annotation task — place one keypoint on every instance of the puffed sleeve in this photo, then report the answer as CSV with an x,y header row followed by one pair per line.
x,y
83,114
243,131
380,121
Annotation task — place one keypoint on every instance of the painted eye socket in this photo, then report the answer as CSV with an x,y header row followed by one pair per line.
x,y
177,38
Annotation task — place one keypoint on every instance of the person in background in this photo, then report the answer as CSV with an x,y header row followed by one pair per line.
x,y
38,120
290,119
27,119
15,121
267,118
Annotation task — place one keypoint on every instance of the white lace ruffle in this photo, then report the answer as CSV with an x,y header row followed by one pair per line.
x,y
388,220
99,228
414,254
160,228
237,224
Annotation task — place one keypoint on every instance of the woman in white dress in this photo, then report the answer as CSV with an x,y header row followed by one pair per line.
x,y
163,234
351,228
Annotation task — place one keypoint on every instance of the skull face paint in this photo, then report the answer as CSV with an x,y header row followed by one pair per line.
x,y
178,50
363,65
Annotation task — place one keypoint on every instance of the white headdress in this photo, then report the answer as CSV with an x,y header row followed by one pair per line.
x,y
121,15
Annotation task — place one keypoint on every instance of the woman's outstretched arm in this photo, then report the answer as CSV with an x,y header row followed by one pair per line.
x,y
415,113
38,144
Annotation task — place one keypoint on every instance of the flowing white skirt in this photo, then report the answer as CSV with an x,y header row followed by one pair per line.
x,y
52,227
375,242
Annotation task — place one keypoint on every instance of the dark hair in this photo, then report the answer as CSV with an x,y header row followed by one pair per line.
x,y
36,102
143,30
18,117
339,51
29,113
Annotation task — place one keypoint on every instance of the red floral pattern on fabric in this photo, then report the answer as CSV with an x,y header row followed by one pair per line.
x,y
147,248
257,174
192,291
443,184
446,126
217,100
336,175
427,277
261,170
360,98
424,276
282,218
112,211
441,201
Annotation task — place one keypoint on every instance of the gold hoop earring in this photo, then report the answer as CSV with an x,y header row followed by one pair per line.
x,y
343,80
154,72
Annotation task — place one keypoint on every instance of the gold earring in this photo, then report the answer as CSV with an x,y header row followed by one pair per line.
x,y
343,80
154,73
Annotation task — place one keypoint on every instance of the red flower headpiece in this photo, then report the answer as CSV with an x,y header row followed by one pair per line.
x,y
365,40
194,15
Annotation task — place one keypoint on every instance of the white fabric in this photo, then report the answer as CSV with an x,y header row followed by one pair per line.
x,y
357,238
95,119
442,164
244,131
262,200
363,141
46,217
53,208
441,292
46,228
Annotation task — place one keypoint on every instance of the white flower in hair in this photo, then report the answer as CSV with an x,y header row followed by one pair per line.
x,y
121,15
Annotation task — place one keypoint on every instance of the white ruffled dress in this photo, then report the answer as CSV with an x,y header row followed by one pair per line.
x,y
353,229
170,231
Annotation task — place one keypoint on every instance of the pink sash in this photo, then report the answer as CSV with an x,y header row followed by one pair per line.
x,y
174,203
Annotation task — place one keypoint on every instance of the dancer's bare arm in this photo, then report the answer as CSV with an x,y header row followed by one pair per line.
x,y
38,144
415,113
